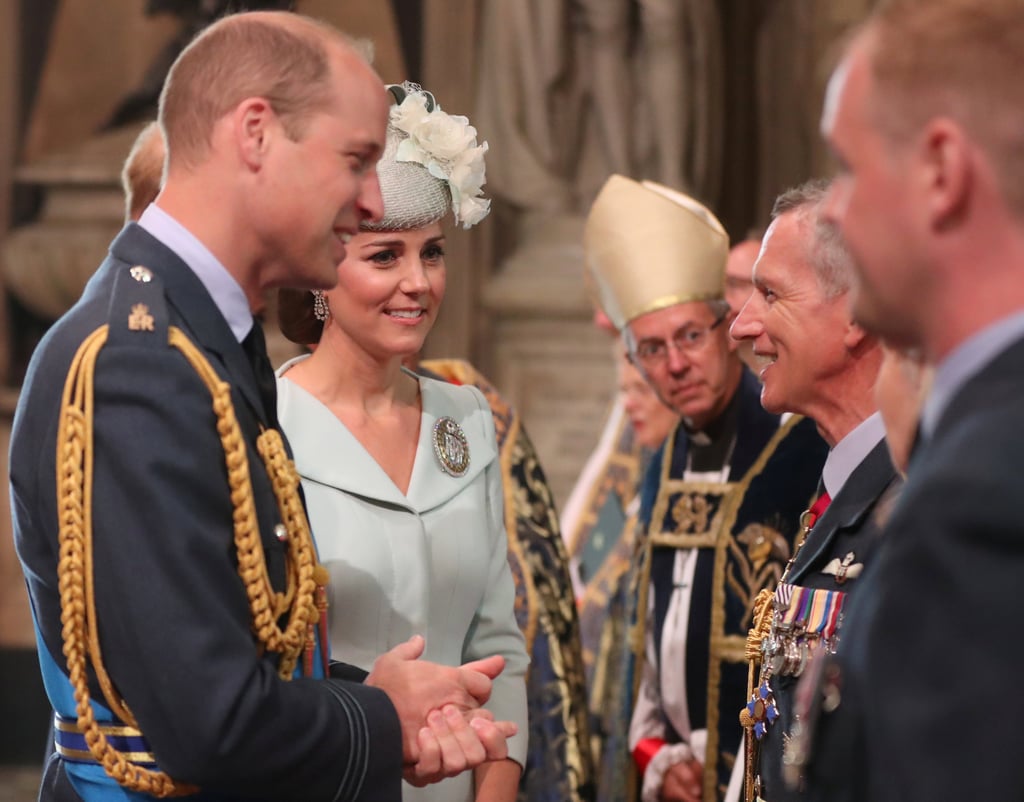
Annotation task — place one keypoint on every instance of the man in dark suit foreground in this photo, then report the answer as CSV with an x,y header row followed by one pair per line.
x,y
926,116
816,361
172,575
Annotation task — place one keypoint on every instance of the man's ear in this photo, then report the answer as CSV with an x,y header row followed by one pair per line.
x,y
855,336
252,121
945,171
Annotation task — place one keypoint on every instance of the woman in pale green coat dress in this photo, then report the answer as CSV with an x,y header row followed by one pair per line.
x,y
400,472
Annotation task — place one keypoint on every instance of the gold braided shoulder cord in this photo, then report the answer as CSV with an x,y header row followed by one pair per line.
x,y
763,612
761,627
302,599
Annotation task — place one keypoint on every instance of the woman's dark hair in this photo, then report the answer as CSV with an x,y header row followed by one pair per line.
x,y
295,316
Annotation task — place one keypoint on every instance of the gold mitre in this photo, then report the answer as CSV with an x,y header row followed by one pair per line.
x,y
648,247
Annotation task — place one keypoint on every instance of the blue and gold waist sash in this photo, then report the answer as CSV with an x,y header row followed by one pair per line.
x,y
69,741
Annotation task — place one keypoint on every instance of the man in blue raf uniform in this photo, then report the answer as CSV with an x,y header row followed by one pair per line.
x,y
925,114
172,575
819,363
721,501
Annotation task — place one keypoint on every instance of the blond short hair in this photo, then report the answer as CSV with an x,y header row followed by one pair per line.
x,y
280,56
957,58
143,171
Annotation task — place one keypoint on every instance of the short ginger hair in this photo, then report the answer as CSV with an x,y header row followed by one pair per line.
x,y
963,59
143,171
277,55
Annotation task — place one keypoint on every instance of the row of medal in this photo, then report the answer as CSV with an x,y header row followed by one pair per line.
x,y
804,620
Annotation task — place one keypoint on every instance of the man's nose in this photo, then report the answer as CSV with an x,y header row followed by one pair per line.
x,y
747,325
676,359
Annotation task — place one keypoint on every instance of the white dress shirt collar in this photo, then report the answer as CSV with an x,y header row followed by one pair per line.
x,y
850,452
227,293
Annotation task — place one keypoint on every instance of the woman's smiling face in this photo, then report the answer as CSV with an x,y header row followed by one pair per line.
x,y
390,287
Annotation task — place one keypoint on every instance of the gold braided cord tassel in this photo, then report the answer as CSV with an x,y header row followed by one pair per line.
x,y
306,611
266,605
760,628
74,569
749,741
761,625
305,577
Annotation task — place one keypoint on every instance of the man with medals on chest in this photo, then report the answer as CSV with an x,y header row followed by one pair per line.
x,y
720,501
821,364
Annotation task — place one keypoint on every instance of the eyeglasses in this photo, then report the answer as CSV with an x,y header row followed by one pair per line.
x,y
687,340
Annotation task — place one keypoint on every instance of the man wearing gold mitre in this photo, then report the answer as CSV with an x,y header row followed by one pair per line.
x,y
720,503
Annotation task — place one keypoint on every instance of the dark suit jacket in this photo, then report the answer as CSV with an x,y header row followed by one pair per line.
x,y
930,659
849,524
174,621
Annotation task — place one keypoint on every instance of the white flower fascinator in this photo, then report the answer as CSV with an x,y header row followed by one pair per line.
x,y
431,162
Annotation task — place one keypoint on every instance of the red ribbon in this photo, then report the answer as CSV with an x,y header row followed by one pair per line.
x,y
818,508
645,750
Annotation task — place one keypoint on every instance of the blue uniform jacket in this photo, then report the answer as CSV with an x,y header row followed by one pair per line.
x,y
174,620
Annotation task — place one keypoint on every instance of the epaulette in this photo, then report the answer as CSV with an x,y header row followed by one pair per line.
x,y
137,314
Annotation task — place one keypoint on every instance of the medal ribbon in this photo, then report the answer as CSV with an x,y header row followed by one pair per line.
x,y
813,611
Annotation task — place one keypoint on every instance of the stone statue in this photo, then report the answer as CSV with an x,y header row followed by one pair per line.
x,y
572,91
655,82
791,86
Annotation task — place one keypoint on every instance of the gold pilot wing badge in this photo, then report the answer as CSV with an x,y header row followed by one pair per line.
x,y
140,319
451,447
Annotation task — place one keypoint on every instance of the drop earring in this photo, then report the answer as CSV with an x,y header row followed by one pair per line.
x,y
320,309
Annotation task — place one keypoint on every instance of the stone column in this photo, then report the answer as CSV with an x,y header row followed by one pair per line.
x,y
449,58
541,350
21,695
548,357
834,21
15,622
791,87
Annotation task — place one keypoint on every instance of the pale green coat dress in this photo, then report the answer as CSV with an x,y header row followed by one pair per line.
x,y
433,561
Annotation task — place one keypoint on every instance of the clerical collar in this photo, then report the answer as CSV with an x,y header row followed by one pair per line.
x,y
711,446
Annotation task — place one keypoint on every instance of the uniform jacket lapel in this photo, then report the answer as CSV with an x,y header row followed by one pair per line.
x,y
865,485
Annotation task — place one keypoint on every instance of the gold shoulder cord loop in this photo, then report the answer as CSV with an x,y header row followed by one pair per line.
x,y
760,629
75,568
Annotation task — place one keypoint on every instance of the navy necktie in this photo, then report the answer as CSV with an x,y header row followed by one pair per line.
x,y
255,346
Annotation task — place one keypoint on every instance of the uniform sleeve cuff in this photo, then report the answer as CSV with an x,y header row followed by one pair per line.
x,y
373,767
